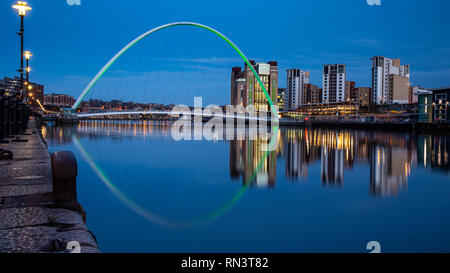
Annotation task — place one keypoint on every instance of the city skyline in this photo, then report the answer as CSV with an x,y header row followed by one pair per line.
x,y
224,127
85,48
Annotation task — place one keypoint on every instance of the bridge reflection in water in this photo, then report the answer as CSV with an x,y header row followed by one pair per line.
x,y
390,156
321,190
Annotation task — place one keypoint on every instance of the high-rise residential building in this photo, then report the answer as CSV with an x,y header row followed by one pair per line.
x,y
333,82
350,94
362,96
281,99
398,89
390,79
312,94
246,90
296,78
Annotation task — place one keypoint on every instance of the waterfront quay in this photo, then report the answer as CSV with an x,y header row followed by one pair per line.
x,y
38,208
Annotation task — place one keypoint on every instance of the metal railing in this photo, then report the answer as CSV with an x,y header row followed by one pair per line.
x,y
14,116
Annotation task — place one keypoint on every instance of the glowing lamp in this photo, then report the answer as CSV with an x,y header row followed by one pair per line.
x,y
27,55
22,7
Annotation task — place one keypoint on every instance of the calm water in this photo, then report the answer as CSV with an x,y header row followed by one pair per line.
x,y
321,191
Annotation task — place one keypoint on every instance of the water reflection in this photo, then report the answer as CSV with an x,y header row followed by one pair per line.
x,y
245,159
145,192
390,157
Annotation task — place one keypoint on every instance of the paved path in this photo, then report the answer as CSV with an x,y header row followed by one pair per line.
x,y
29,220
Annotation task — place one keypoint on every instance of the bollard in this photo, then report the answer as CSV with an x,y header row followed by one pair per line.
x,y
64,175
64,180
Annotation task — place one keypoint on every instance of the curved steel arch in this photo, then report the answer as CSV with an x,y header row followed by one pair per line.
x,y
270,147
123,50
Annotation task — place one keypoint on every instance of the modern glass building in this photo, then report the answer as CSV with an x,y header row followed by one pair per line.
x,y
246,90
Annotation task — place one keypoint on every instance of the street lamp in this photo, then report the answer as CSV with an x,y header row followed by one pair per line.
x,y
22,8
30,94
27,54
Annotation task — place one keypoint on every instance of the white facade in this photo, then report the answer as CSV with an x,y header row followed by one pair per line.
x,y
416,91
296,78
381,69
333,83
404,71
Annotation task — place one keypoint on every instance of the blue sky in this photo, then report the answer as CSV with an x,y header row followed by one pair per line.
x,y
71,43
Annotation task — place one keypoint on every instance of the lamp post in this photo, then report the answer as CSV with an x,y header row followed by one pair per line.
x,y
30,96
27,55
22,8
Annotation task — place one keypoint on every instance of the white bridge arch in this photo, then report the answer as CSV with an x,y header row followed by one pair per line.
x,y
136,40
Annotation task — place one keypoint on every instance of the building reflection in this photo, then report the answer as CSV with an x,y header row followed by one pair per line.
x,y
59,134
389,156
389,170
335,150
249,162
296,156
387,159
433,152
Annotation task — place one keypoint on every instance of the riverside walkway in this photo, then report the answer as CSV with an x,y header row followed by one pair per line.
x,y
30,220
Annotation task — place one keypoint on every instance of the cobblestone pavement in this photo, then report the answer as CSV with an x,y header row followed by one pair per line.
x,y
29,220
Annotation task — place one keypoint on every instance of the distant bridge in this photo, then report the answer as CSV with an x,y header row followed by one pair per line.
x,y
171,113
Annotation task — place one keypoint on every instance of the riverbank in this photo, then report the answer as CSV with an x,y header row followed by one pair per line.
x,y
30,220
415,127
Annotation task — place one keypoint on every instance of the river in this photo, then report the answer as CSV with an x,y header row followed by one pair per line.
x,y
322,190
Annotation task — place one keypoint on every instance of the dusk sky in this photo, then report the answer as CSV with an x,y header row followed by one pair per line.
x,y
71,43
